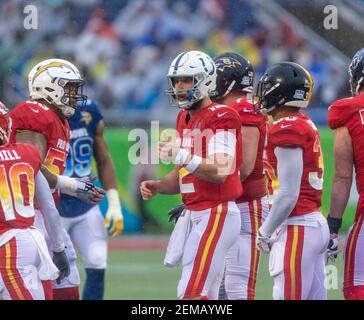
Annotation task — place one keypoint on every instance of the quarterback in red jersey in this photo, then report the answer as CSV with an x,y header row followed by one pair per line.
x,y
207,154
234,82
55,86
346,119
26,267
295,231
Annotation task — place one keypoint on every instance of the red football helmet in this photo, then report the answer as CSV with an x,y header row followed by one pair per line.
x,y
5,124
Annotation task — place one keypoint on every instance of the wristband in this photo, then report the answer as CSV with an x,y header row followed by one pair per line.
x,y
113,198
334,224
193,164
65,184
181,157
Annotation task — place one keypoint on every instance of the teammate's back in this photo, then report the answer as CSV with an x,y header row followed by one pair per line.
x,y
19,164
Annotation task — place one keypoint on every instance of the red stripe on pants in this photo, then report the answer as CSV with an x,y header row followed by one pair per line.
x,y
193,289
298,263
12,279
293,253
254,252
350,250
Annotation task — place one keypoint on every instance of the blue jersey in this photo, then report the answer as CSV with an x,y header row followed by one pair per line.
x,y
83,125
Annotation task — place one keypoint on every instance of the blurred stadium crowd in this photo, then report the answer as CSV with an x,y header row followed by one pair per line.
x,y
124,48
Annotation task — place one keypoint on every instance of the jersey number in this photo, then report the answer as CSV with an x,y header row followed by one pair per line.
x,y
316,178
55,161
79,158
13,194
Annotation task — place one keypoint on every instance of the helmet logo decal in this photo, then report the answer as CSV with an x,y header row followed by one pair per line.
x,y
177,62
50,65
299,94
355,62
227,63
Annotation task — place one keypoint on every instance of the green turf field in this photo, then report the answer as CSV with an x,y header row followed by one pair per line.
x,y
140,274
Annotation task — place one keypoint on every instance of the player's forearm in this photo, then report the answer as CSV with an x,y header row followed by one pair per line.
x,y
246,170
212,172
170,183
339,196
250,144
51,178
106,173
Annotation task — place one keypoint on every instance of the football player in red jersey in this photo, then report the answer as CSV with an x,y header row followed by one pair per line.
x,y
26,267
234,81
207,155
346,119
55,86
295,231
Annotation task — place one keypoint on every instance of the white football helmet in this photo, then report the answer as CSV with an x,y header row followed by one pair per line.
x,y
48,80
201,68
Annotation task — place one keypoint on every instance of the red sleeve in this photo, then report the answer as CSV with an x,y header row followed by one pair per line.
x,y
224,119
287,134
338,114
29,117
252,119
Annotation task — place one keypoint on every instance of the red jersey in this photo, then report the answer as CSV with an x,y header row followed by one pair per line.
x,y
35,116
195,133
254,185
292,132
349,113
19,164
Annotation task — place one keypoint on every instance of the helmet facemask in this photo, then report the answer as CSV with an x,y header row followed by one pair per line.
x,y
73,96
265,99
191,95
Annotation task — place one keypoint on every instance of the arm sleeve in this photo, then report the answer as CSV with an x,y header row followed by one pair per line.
x,y
50,213
289,171
222,142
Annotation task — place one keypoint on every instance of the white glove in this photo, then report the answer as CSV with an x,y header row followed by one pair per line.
x,y
114,213
262,241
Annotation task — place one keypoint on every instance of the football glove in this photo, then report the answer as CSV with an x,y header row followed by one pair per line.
x,y
175,213
60,259
81,188
114,214
262,242
333,248
88,192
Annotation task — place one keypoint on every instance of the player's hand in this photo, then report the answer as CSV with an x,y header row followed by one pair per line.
x,y
168,151
88,192
262,242
114,213
149,189
175,213
333,248
60,259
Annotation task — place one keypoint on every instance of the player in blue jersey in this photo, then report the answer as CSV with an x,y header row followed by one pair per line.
x,y
83,222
